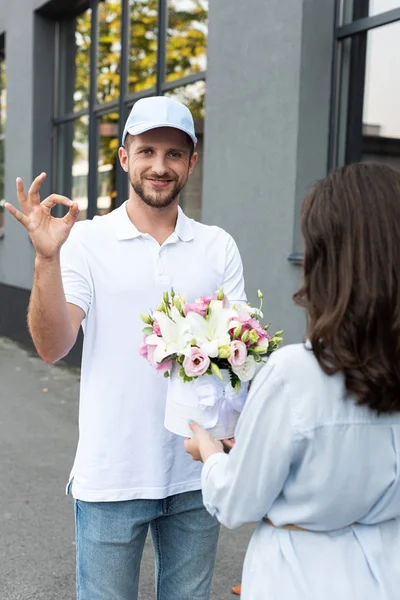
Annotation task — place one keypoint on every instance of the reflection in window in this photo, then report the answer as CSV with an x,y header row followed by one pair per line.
x,y
186,37
381,114
109,50
74,69
142,44
73,162
89,175
193,96
107,163
3,113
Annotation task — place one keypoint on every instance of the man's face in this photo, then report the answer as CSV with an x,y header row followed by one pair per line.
x,y
158,163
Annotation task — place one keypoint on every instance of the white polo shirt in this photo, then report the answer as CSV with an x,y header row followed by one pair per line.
x,y
114,272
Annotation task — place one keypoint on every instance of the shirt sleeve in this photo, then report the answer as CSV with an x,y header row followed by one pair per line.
x,y
242,486
233,283
75,273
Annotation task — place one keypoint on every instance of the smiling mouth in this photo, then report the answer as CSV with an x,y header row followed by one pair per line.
x,y
160,183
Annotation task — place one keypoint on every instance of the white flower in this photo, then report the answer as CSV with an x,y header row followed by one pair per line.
x,y
175,334
248,370
213,333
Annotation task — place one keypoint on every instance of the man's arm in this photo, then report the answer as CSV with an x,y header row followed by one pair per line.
x,y
52,322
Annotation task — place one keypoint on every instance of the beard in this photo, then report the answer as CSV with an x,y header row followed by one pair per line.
x,y
157,199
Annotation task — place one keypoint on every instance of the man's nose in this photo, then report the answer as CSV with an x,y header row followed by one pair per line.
x,y
159,165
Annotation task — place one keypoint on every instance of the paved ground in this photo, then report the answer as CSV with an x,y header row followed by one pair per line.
x,y
38,433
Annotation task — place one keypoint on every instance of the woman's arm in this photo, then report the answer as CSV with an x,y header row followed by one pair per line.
x,y
242,486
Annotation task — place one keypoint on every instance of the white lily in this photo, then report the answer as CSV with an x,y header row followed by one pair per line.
x,y
212,333
175,334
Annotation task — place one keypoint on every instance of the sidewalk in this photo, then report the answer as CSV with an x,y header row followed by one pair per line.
x,y
38,435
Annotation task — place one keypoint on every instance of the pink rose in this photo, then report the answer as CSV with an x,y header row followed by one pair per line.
x,y
156,328
196,307
238,354
163,367
197,363
147,351
208,299
144,348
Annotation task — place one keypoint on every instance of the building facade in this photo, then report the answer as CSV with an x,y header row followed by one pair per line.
x,y
281,93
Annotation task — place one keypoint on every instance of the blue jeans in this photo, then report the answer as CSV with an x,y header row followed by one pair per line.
x,y
110,537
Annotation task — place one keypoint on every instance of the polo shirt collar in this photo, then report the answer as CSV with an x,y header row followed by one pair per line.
x,y
126,230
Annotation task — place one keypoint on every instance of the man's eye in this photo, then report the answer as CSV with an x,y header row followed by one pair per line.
x,y
147,151
175,154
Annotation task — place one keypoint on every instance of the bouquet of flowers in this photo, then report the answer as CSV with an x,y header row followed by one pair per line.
x,y
188,343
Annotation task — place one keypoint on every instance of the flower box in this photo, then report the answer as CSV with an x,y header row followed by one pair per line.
x,y
208,400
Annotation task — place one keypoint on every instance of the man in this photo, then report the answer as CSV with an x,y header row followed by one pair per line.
x,y
130,474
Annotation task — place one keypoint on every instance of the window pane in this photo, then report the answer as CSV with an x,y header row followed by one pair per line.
x,y
3,115
73,162
381,114
186,37
74,69
143,45
369,116
109,51
357,9
379,6
107,163
193,96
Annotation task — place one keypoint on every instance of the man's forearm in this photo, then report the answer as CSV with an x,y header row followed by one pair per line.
x,y
48,319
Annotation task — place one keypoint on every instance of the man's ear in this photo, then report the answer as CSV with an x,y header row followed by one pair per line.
x,y
193,161
123,158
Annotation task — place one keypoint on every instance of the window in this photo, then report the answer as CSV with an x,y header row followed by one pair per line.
x,y
110,54
3,116
365,123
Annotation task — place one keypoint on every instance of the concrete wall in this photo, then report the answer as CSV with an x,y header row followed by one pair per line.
x,y
266,135
16,253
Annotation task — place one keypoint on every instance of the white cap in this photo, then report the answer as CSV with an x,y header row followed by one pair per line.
x,y
159,111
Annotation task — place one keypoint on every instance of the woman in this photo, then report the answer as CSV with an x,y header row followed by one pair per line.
x,y
317,453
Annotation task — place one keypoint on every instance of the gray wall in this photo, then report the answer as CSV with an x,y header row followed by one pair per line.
x,y
266,136
28,127
15,247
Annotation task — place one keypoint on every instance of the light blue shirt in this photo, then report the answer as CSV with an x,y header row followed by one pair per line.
x,y
307,454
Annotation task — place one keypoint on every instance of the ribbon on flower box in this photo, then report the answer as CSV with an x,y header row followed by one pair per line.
x,y
210,401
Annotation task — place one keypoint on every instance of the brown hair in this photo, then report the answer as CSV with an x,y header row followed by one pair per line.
x,y
351,289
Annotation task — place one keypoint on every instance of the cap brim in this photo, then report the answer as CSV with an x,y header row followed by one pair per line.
x,y
143,127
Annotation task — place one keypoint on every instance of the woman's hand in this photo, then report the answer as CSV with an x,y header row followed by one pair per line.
x,y
202,445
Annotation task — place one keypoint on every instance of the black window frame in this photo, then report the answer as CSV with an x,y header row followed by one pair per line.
x,y
356,31
126,100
